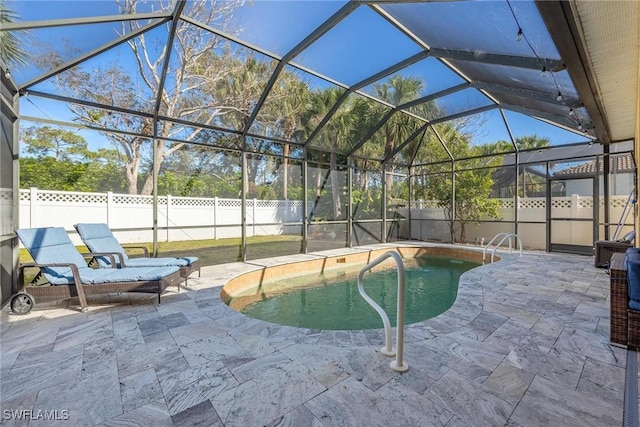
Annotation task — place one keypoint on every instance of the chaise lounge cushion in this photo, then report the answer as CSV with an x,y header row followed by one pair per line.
x,y
159,262
99,238
114,275
632,261
52,246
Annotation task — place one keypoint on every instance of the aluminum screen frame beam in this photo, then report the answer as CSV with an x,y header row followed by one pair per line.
x,y
563,28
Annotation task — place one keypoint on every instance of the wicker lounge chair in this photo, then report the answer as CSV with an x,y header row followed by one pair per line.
x,y
68,274
605,248
624,278
99,238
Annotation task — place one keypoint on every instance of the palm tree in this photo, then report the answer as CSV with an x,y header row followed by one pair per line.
x,y
281,116
334,135
527,142
11,52
239,92
397,91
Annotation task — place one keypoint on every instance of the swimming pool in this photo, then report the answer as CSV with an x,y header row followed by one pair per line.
x,y
328,298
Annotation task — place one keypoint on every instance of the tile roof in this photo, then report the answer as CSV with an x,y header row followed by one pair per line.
x,y
620,164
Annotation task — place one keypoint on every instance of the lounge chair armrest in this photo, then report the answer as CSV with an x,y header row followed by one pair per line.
x,y
143,248
27,265
111,255
72,266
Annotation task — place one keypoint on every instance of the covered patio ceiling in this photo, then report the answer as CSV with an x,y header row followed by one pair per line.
x,y
573,65
599,41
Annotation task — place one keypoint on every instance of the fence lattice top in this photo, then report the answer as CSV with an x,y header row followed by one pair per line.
x,y
133,199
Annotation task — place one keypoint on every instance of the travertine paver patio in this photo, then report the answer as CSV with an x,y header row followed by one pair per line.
x,y
526,344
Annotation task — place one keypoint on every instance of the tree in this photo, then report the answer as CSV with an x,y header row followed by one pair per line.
x,y
534,141
398,90
240,89
59,159
281,117
364,115
533,182
12,53
199,62
504,179
333,136
470,201
199,171
47,173
525,142
61,144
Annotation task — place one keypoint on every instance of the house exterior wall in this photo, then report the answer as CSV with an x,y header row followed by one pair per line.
x,y
620,183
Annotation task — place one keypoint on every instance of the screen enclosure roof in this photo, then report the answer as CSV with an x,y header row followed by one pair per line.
x,y
421,73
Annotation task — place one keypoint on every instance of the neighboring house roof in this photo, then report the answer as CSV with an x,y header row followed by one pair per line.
x,y
619,164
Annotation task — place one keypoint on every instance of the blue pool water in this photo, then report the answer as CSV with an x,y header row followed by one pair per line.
x,y
431,289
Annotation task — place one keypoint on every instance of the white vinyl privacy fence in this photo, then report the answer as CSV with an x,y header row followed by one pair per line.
x,y
427,220
195,218
179,218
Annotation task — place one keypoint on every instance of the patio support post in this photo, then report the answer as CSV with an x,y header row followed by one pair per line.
x,y
349,203
636,151
453,201
305,200
383,237
516,197
549,197
10,183
155,194
156,111
606,170
33,207
410,200
596,200
243,207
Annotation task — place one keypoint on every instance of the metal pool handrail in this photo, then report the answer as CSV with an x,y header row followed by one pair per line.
x,y
506,236
398,365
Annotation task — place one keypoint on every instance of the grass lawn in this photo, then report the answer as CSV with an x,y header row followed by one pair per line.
x,y
221,251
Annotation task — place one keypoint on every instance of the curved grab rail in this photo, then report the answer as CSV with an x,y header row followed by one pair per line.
x,y
506,236
397,365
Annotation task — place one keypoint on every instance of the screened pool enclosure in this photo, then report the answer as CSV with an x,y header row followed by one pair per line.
x,y
235,130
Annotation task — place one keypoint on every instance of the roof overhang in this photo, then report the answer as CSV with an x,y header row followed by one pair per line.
x,y
599,42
